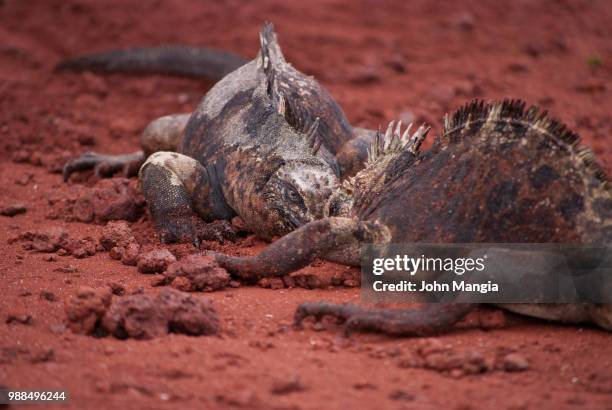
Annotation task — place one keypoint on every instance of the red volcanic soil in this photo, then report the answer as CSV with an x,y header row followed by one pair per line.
x,y
382,61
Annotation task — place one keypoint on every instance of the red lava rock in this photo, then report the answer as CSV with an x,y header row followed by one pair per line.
x,y
515,362
401,395
283,387
116,234
464,22
12,210
288,281
45,240
365,75
433,354
47,295
22,319
171,311
155,261
81,248
130,253
271,283
117,238
117,288
86,309
196,272
50,258
491,319
44,356
308,281
24,179
116,253
111,199
21,156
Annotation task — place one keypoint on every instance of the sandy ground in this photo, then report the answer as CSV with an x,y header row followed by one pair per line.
x,y
382,61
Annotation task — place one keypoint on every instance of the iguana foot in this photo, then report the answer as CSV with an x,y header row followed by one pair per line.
x,y
428,320
105,165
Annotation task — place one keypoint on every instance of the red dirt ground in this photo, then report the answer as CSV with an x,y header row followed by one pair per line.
x,y
381,60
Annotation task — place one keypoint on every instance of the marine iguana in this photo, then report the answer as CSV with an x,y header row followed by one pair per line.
x,y
261,145
499,173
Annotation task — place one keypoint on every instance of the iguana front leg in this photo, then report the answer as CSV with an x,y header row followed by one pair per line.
x,y
162,134
297,249
181,196
428,320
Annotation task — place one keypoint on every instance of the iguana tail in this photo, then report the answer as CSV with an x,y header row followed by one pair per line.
x,y
181,61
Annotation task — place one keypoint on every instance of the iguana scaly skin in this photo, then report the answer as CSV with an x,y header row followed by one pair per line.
x,y
261,145
498,173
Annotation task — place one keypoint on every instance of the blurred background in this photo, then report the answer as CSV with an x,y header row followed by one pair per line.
x,y
382,60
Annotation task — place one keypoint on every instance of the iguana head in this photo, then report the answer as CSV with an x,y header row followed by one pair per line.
x,y
299,192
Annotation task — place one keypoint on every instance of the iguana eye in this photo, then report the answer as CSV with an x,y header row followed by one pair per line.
x,y
292,195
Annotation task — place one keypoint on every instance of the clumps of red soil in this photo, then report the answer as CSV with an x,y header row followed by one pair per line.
x,y
313,278
97,312
155,261
117,238
109,200
434,355
56,239
195,273
52,160
13,209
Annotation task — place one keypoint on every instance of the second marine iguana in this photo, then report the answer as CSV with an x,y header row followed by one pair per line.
x,y
262,145
499,173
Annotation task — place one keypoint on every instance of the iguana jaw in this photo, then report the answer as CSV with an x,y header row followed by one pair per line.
x,y
300,191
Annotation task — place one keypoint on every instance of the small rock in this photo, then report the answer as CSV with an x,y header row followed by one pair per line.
x,y
116,234
155,261
117,288
276,283
130,254
515,362
110,200
464,22
46,239
283,387
365,75
47,355
197,272
22,319
12,210
47,295
24,179
85,310
401,395
171,311
81,248
50,258
491,319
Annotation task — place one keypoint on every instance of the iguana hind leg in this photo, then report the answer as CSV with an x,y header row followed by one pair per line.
x,y
162,134
181,198
427,320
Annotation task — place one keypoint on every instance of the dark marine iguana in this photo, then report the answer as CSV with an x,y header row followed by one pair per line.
x,y
499,173
261,145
